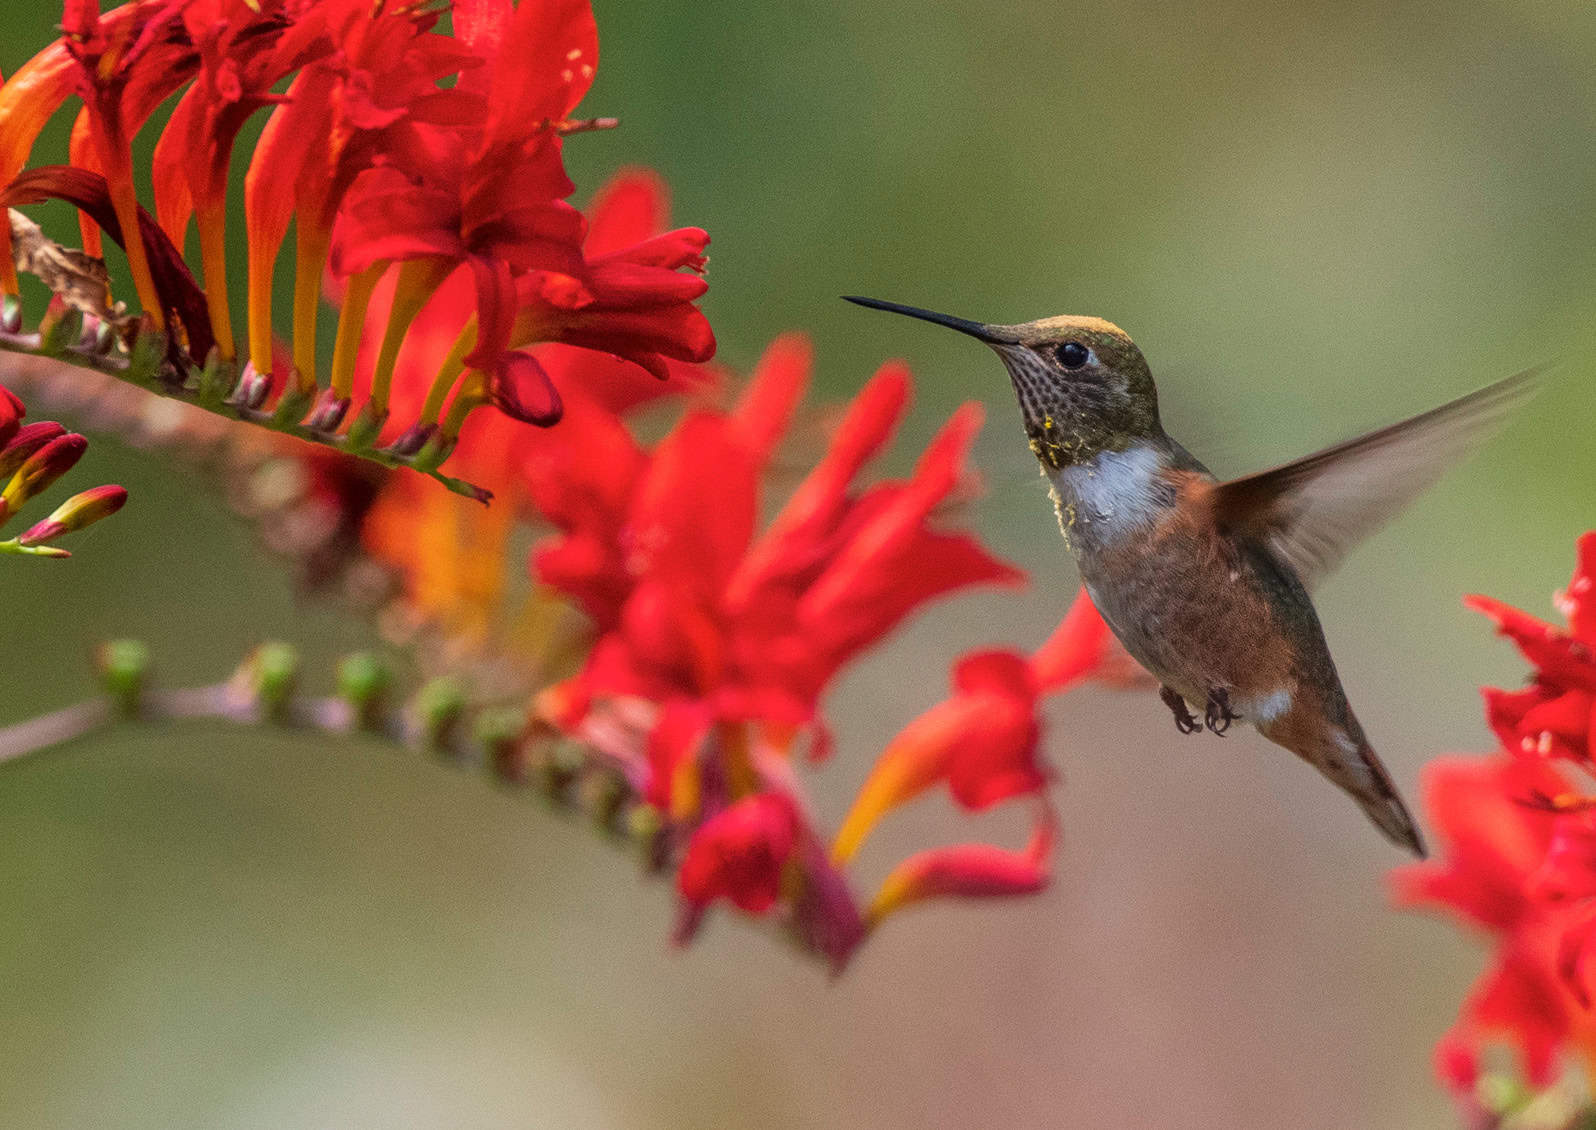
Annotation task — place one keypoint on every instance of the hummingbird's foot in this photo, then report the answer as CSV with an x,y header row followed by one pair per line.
x,y
1219,716
1185,721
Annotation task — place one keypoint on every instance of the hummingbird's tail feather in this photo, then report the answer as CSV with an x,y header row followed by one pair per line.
x,y
1384,806
1344,755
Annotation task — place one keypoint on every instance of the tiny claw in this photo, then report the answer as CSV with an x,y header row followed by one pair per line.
x,y
1219,716
1185,721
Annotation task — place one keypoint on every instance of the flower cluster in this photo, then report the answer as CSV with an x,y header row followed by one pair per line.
x,y
663,653
1518,832
32,457
716,643
406,157
681,655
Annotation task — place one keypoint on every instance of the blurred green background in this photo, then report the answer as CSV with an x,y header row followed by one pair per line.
x,y
1313,218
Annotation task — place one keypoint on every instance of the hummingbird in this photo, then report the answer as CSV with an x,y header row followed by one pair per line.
x,y
1206,582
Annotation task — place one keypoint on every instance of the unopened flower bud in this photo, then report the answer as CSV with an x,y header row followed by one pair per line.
x,y
42,468
438,707
27,440
83,509
272,674
124,669
11,314
499,732
603,793
363,682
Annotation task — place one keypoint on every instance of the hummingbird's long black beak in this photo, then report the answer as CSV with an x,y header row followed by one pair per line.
x,y
992,335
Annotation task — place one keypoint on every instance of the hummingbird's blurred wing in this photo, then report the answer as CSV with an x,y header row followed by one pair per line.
x,y
1312,511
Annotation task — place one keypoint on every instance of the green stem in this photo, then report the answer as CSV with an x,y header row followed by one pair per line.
x,y
16,548
170,385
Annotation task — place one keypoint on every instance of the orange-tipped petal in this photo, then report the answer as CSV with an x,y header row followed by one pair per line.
x,y
913,762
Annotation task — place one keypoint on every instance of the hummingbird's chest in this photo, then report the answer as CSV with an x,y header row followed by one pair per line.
x,y
1187,603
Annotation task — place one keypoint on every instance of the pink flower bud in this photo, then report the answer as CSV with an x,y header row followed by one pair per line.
x,y
27,440
82,509
42,468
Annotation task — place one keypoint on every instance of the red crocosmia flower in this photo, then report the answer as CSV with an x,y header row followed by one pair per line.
x,y
632,300
716,646
127,64
245,47
581,476
983,740
1519,838
967,871
335,120
488,194
767,646
32,457
740,853
1493,844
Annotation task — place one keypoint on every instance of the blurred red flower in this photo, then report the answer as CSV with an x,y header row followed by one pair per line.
x,y
1518,837
740,852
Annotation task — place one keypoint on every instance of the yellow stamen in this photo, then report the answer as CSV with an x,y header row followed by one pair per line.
x,y
351,325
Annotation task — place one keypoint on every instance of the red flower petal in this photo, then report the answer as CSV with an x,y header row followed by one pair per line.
x,y
740,853
764,413
633,207
967,871
1578,600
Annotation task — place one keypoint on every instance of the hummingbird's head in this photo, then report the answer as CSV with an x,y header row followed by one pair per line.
x,y
1083,386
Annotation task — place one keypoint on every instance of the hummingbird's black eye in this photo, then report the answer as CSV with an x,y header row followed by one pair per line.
x,y
1072,355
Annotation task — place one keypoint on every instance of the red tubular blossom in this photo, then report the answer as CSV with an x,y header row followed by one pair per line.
x,y
125,68
982,742
1519,848
967,871
401,145
25,442
632,299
